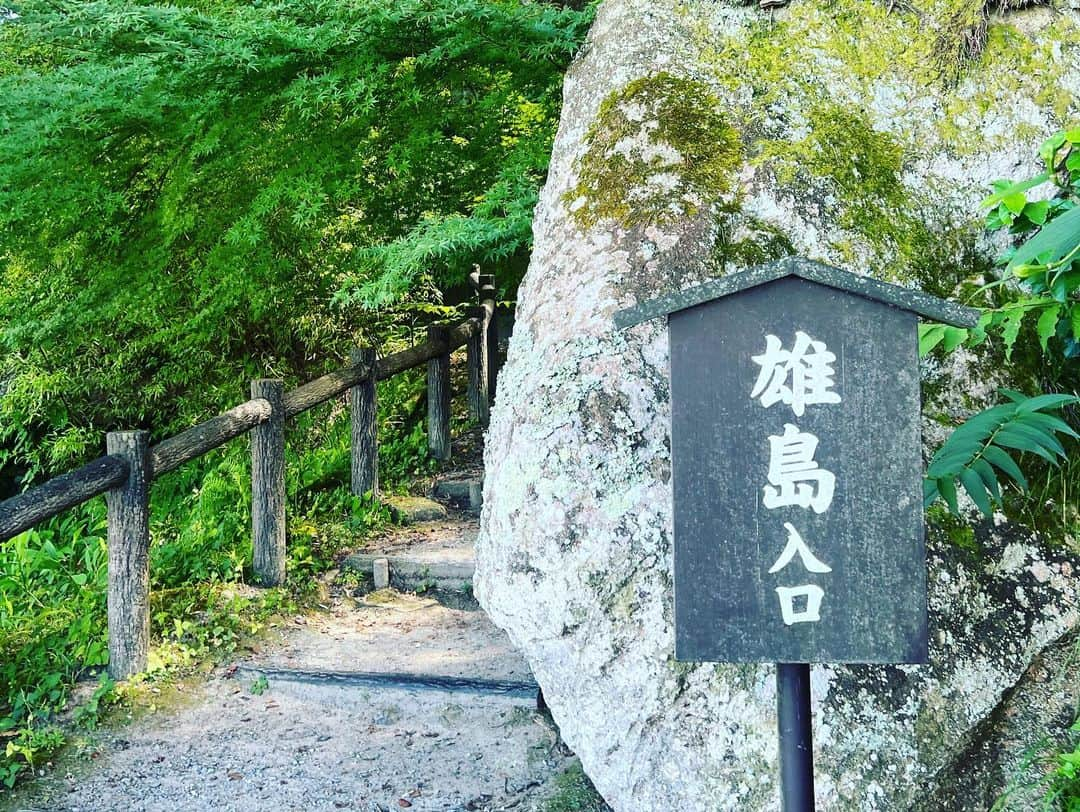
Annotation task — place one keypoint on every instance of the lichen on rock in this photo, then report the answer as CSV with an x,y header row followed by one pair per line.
x,y
841,139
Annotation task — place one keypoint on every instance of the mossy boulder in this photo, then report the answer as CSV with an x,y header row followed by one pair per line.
x,y
697,138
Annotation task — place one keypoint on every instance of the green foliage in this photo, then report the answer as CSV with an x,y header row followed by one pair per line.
x,y
1040,279
1063,791
88,714
977,454
52,613
195,194
200,193
53,579
30,747
1045,266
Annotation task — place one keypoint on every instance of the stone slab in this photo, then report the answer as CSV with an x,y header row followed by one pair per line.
x,y
414,509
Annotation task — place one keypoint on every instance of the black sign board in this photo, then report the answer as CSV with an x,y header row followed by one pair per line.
x,y
797,466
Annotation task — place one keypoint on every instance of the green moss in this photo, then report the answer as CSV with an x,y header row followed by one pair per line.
x,y
859,165
574,792
660,149
832,100
955,530
743,241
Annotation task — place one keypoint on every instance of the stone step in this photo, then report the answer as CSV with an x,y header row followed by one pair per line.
x,y
430,556
414,572
464,491
390,680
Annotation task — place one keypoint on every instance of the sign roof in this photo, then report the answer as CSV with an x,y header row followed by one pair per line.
x,y
930,307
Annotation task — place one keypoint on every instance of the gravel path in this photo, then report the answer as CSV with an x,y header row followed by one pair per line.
x,y
303,746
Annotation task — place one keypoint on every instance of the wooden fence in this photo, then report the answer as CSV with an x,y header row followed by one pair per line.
x,y
130,465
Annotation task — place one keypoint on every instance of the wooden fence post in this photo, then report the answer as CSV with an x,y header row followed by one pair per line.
x,y
365,442
491,333
479,406
438,393
129,556
268,487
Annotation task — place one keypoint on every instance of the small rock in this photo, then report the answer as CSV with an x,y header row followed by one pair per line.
x,y
414,509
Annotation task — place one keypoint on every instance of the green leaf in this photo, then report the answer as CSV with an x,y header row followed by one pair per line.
x,y
948,493
1036,212
1015,436
1044,438
1004,463
1015,202
1013,395
1048,423
1011,329
951,463
930,335
1007,189
980,426
973,484
1053,240
930,491
989,478
1047,324
1040,402
1048,149
954,337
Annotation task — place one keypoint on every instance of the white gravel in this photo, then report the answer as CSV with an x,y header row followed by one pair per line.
x,y
299,746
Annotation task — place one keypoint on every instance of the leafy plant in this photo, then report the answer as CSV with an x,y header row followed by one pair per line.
x,y
1046,264
977,454
1063,780
88,714
28,749
1041,279
194,194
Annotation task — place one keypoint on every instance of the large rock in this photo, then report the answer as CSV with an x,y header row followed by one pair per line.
x,y
699,137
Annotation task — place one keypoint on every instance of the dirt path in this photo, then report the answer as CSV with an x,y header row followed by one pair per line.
x,y
308,743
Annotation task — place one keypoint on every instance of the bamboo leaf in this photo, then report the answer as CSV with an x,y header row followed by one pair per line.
x,y
1013,395
1012,437
1040,402
951,463
1048,423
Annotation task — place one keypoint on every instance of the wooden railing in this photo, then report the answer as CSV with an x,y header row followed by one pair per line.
x,y
131,464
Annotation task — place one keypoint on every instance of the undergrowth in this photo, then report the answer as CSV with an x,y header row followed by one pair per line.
x,y
53,579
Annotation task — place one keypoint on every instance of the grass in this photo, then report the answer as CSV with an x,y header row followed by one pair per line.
x,y
575,793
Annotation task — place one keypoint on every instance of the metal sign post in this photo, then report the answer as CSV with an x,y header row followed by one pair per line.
x,y
797,478
796,742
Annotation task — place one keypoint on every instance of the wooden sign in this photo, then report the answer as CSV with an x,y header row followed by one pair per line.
x,y
796,466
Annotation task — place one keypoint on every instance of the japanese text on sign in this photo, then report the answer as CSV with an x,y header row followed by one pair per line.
x,y
800,377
